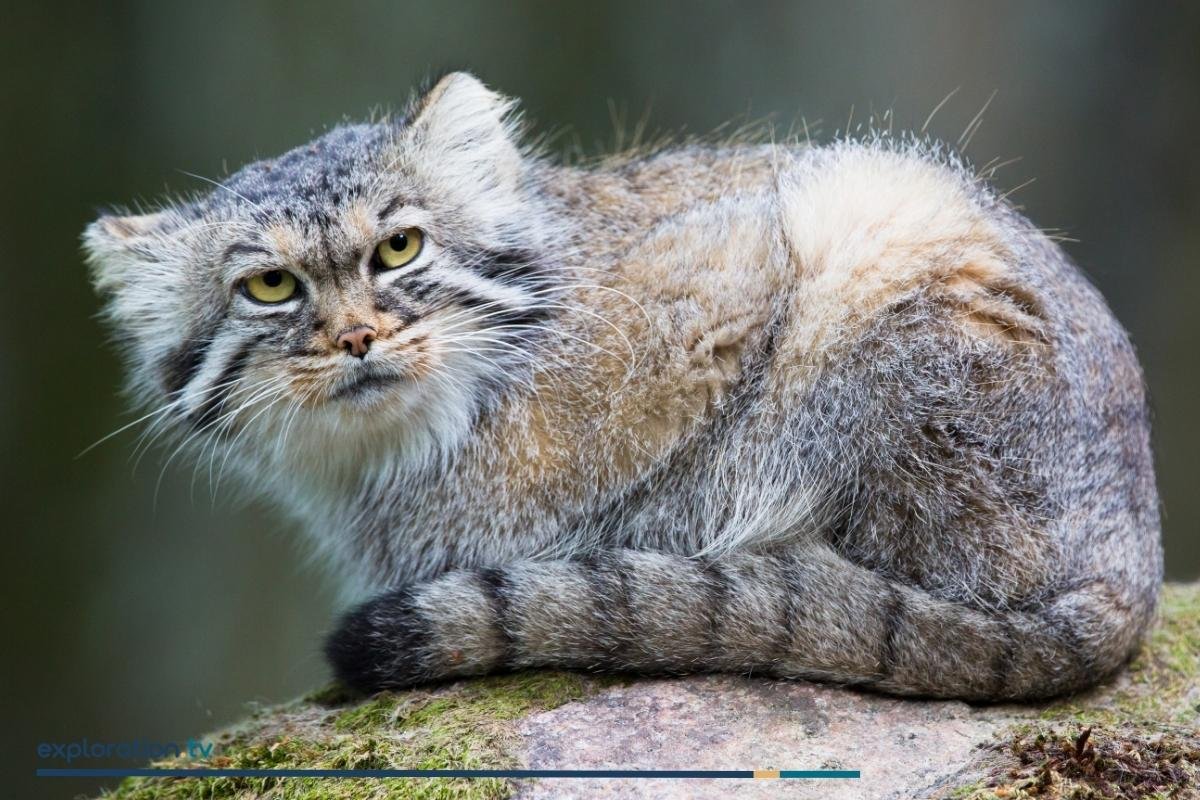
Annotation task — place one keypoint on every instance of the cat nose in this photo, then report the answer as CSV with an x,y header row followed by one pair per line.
x,y
357,340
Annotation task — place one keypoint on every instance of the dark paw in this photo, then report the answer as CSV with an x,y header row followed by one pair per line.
x,y
380,645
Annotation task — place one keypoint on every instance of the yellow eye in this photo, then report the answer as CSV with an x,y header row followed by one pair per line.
x,y
399,249
272,286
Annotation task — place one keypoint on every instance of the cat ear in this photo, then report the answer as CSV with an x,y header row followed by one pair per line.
x,y
114,244
465,139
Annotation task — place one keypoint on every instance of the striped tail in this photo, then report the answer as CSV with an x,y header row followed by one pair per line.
x,y
819,617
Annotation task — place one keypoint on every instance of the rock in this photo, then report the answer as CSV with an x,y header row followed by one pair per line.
x,y
1137,736
728,722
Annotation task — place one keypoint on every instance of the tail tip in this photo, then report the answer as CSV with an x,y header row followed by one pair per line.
x,y
377,645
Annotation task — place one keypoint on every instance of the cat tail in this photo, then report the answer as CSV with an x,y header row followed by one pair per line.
x,y
818,617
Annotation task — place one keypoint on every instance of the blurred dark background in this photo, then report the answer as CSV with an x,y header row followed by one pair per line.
x,y
130,619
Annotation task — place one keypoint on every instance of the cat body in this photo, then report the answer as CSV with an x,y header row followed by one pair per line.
x,y
826,412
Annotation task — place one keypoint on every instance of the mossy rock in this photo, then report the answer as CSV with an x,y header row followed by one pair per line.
x,y
1134,737
466,726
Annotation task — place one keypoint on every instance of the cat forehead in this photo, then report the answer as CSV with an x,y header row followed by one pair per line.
x,y
306,182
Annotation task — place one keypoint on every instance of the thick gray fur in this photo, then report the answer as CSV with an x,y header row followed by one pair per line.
x,y
944,489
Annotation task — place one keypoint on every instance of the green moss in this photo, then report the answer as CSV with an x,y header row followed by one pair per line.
x,y
1175,643
974,791
467,725
335,694
494,698
1160,683
1141,738
380,710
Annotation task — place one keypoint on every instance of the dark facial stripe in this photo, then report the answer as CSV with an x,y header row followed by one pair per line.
x,y
214,402
514,267
179,367
500,314
409,283
245,248
392,205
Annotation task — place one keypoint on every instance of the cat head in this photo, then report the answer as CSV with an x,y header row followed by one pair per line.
x,y
367,289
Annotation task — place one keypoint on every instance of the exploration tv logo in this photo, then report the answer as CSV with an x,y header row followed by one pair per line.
x,y
134,750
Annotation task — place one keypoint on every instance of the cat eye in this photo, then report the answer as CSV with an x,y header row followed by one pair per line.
x,y
272,286
399,249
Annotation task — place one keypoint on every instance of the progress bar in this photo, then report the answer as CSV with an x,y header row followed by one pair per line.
x,y
205,772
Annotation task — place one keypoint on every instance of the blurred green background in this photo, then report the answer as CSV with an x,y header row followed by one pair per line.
x,y
128,619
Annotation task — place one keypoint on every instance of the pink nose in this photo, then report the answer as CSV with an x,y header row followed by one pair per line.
x,y
357,340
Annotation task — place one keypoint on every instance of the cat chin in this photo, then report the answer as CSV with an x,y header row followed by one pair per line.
x,y
395,420
327,452
373,393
